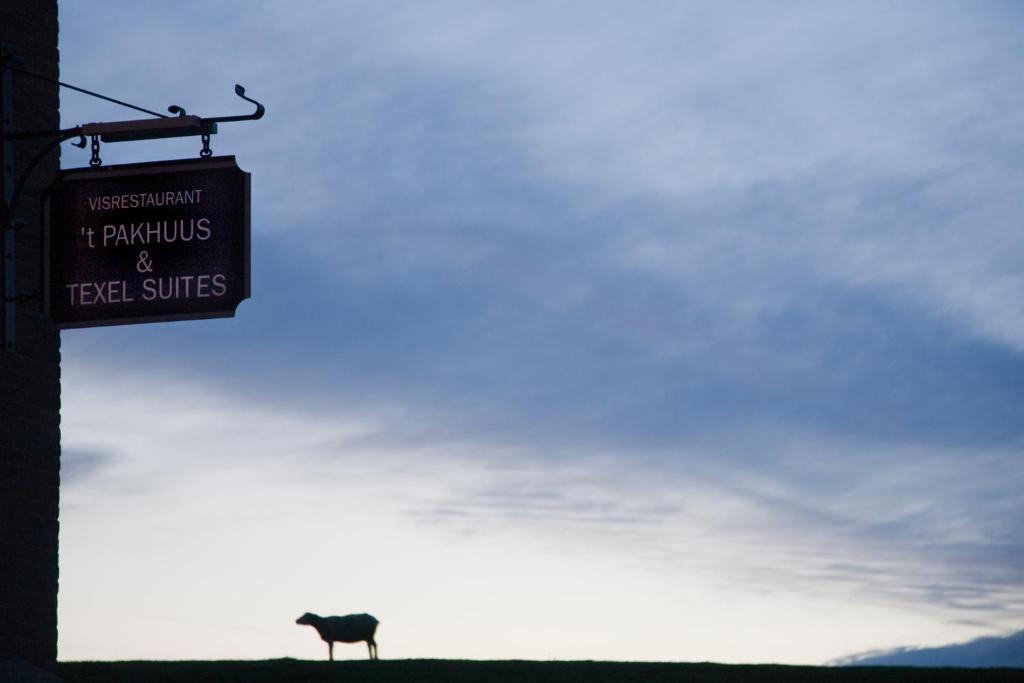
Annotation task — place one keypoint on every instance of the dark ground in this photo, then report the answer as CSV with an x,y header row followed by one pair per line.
x,y
468,671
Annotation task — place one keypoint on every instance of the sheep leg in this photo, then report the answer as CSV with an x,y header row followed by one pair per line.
x,y
330,649
371,645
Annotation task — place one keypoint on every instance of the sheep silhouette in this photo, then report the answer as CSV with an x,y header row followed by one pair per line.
x,y
350,628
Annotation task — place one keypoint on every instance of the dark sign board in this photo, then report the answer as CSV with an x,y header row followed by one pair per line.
x,y
147,242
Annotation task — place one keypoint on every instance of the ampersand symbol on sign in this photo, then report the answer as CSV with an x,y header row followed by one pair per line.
x,y
145,264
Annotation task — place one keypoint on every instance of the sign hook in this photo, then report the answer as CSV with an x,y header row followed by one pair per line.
x,y
95,160
258,114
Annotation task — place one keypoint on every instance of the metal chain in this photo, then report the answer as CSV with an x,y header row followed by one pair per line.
x,y
95,161
206,151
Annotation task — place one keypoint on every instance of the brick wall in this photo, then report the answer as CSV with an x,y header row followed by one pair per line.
x,y
30,377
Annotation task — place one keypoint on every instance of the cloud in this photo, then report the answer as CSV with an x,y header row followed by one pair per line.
x,y
991,651
553,164
801,519
80,464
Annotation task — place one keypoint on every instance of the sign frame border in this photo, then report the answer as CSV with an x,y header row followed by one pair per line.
x,y
147,167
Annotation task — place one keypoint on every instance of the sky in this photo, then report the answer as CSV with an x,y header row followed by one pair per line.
x,y
672,331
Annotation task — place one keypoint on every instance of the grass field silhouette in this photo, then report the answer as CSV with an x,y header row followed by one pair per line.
x,y
475,671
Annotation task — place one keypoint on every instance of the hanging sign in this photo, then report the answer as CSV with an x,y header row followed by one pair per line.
x,y
149,242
